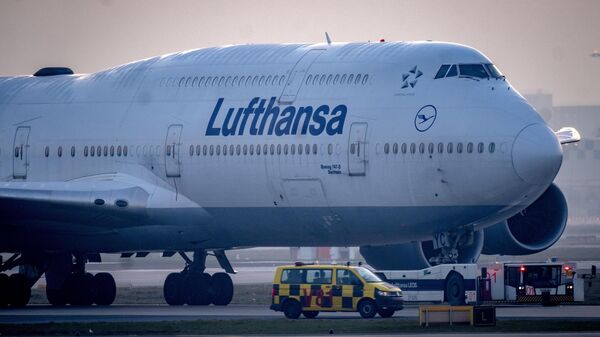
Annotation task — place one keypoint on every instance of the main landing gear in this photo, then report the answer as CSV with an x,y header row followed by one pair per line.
x,y
195,287
69,283
15,289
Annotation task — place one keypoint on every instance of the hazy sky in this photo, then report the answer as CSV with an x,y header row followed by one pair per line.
x,y
539,45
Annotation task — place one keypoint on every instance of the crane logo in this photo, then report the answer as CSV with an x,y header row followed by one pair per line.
x,y
425,118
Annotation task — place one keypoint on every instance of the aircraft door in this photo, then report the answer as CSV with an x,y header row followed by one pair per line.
x,y
172,151
296,76
357,144
20,155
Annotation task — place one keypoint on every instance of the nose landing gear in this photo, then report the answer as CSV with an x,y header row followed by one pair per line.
x,y
195,287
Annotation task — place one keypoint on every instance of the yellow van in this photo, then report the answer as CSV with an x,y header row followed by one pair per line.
x,y
309,288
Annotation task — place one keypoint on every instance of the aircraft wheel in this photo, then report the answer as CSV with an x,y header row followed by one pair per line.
x,y
105,289
174,290
367,308
222,288
198,286
20,292
4,290
455,289
80,287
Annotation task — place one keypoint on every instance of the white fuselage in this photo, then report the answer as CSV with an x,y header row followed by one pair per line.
x,y
358,183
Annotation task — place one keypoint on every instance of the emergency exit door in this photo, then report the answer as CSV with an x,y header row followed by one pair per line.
x,y
21,150
357,144
172,151
297,75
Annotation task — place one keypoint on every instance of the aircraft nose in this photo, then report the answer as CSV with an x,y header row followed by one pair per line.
x,y
536,154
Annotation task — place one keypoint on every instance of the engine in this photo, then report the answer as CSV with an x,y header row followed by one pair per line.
x,y
535,229
417,255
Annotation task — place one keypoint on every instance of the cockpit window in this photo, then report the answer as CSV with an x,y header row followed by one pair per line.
x,y
442,72
452,72
473,70
494,72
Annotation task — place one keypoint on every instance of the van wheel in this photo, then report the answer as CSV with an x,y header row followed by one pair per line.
x,y
310,314
386,313
367,308
292,309
455,289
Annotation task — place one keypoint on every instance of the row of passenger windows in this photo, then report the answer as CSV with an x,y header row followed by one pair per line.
x,y
431,148
92,151
272,149
336,79
264,80
264,149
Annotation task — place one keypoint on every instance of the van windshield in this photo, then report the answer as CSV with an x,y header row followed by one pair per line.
x,y
367,275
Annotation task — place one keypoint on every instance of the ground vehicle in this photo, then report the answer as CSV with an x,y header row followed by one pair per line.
x,y
543,282
308,289
452,283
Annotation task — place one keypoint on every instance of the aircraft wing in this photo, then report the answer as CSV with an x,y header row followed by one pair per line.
x,y
101,202
568,135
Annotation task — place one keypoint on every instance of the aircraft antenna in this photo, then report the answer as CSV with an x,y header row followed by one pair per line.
x,y
328,38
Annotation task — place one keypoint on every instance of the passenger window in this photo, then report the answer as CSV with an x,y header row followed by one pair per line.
x,y
430,148
99,150
201,82
293,276
492,147
212,150
188,81
282,80
336,79
268,81
442,72
85,151
449,148
204,150
198,148
218,150
224,150
480,147
315,80
422,148
251,149
231,147
125,151
46,151
452,72
92,151
105,151
265,149
315,149
275,80
195,81
365,78
469,147
343,80
261,81
413,148
168,150
238,150
352,148
59,151
322,80
318,276
248,80
440,147
228,82
299,148
459,148
357,81
285,149
221,81
346,277
293,149
395,148
330,149
181,82
308,80
329,79
255,81
386,148
278,149
112,150
350,78
215,81
72,151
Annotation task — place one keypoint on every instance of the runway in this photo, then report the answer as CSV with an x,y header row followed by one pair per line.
x,y
136,313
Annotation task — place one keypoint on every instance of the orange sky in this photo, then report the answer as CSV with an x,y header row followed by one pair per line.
x,y
539,45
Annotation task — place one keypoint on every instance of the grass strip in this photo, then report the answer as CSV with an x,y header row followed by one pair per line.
x,y
284,326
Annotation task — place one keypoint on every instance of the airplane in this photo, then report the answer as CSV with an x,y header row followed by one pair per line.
x,y
418,152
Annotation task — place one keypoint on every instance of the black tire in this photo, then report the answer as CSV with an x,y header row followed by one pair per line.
x,y
197,287
454,291
19,290
81,289
310,314
367,308
222,288
105,289
57,297
4,290
386,313
174,289
292,309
